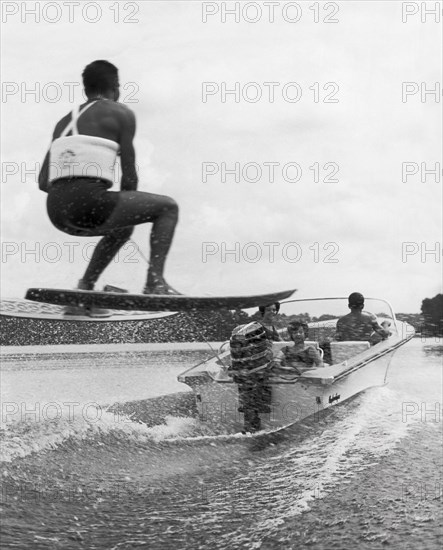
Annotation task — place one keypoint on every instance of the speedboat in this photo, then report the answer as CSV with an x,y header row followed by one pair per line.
x,y
348,368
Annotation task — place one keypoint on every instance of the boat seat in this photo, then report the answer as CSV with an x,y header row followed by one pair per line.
x,y
341,351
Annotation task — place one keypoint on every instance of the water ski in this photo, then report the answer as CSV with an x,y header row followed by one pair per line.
x,y
35,310
149,302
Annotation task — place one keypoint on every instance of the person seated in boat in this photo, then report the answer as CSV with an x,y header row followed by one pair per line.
x,y
268,313
297,357
359,325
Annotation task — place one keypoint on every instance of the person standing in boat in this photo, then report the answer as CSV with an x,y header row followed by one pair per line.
x,y
268,314
359,325
78,171
297,356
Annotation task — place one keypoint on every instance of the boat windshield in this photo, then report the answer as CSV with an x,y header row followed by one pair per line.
x,y
324,312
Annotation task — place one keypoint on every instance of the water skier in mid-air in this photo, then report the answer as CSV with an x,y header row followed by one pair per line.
x,y
87,141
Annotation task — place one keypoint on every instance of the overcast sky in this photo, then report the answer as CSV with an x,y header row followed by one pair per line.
x,y
330,145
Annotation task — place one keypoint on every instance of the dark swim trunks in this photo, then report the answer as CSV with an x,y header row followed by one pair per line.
x,y
79,206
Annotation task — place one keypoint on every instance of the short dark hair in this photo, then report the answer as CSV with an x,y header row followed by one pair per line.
x,y
99,76
261,309
295,325
356,300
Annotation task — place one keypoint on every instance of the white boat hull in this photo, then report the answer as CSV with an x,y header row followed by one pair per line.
x,y
313,392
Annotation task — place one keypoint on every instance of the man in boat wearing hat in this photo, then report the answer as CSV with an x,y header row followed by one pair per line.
x,y
358,324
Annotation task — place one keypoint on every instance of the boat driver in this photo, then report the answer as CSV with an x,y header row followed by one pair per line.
x,y
359,325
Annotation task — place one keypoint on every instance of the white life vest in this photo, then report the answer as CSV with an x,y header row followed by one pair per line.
x,y
80,155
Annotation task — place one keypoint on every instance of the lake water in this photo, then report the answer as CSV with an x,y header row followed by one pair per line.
x,y
147,474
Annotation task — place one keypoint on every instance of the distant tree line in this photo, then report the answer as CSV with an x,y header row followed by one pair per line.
x,y
430,321
184,327
432,311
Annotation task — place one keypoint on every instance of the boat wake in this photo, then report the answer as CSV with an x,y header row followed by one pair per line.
x,y
19,439
178,484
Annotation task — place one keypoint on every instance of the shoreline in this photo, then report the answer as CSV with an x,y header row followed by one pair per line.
x,y
108,348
